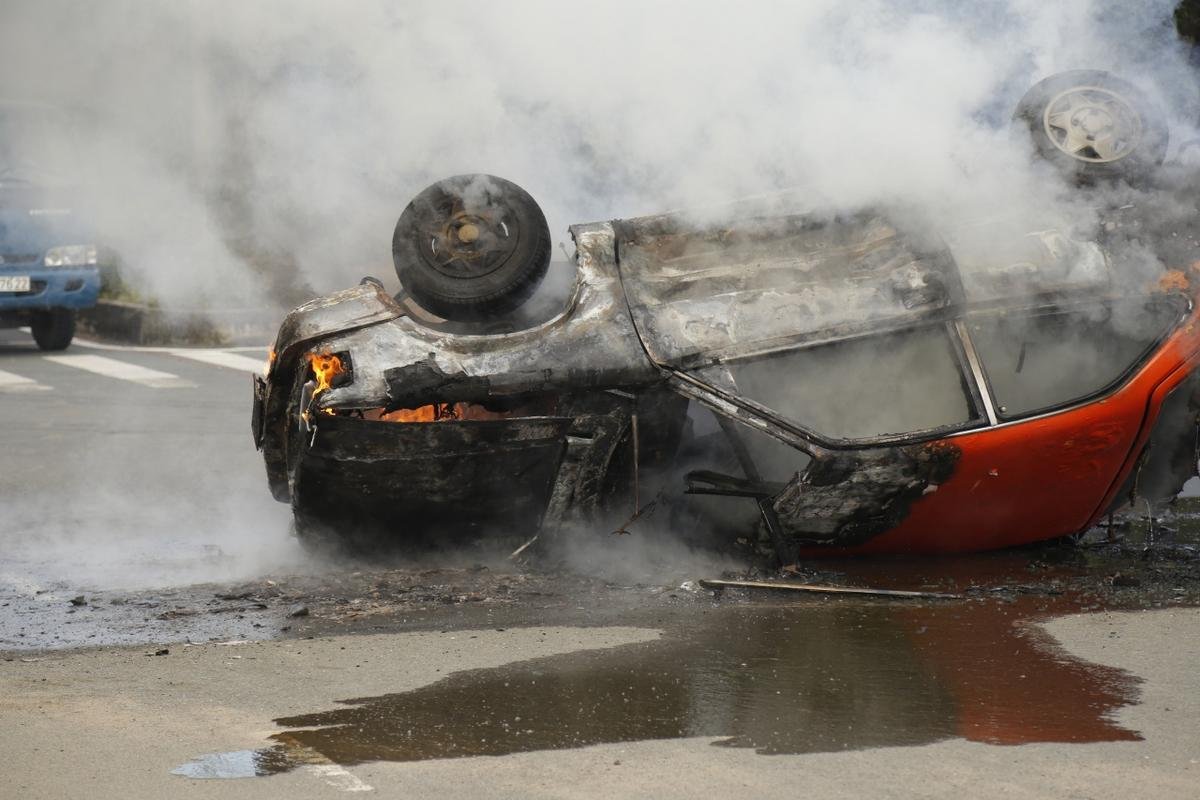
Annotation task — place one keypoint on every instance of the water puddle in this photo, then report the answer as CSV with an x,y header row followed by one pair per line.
x,y
818,677
235,764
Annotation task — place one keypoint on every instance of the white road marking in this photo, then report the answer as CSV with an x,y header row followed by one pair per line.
x,y
339,777
147,348
111,368
223,358
19,383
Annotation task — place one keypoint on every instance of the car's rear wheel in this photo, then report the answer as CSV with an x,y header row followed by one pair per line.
x,y
470,247
53,329
1094,125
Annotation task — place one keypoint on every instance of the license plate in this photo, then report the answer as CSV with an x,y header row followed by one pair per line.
x,y
14,283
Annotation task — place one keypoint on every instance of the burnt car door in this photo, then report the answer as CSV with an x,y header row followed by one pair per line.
x,y
901,384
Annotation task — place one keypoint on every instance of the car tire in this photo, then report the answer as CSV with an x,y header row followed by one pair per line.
x,y
470,247
1094,125
53,329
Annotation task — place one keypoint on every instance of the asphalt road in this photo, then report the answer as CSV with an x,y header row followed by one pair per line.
x,y
129,474
132,467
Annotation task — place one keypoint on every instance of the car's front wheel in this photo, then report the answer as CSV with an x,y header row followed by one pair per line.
x,y
53,329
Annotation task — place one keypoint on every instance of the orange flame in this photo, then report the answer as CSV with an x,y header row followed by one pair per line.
x,y
446,412
431,413
325,367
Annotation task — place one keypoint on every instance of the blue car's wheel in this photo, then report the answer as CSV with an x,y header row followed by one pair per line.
x,y
53,329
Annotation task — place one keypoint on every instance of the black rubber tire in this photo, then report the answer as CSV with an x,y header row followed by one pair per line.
x,y
1142,160
494,271
53,329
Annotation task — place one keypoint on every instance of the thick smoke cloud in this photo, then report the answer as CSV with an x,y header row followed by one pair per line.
x,y
226,140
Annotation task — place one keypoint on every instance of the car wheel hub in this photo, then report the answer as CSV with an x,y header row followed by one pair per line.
x,y
470,245
1093,124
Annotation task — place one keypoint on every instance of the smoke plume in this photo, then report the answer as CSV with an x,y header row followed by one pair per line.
x,y
237,151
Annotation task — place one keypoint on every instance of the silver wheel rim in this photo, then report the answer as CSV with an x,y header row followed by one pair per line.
x,y
1093,124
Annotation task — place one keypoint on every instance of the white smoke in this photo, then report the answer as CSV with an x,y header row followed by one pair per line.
x,y
279,132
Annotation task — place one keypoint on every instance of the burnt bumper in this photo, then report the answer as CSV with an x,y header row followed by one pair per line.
x,y
421,483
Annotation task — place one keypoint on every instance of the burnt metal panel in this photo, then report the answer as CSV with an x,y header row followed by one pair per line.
x,y
351,309
841,497
365,304
703,293
591,344
405,482
1007,259
846,499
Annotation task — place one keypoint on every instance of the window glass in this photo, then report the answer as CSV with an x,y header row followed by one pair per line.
x,y
895,383
1037,360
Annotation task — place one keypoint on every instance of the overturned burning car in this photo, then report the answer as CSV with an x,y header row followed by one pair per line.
x,y
850,383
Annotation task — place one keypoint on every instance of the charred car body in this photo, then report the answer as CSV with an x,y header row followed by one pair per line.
x,y
871,389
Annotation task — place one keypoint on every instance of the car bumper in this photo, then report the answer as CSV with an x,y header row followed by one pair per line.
x,y
54,288
429,482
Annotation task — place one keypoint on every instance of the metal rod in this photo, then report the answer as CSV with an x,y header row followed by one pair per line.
x,y
985,393
813,588
637,502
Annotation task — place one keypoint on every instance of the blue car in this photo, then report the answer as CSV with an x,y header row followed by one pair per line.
x,y
48,260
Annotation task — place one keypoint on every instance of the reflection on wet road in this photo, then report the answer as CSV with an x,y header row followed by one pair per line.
x,y
819,677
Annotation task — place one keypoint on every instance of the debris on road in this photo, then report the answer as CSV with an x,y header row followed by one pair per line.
x,y
242,594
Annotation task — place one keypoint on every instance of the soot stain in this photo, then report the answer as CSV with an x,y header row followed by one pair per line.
x,y
825,677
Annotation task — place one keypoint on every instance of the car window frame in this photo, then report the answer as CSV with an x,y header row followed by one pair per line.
x,y
974,396
1183,308
980,396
